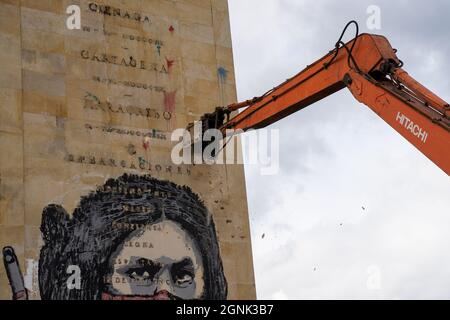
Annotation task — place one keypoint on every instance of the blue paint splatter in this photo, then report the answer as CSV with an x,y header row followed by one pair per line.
x,y
222,72
142,161
158,47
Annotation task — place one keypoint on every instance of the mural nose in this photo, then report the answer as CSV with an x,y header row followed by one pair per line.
x,y
164,283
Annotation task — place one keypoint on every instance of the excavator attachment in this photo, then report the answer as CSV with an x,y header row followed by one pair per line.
x,y
369,67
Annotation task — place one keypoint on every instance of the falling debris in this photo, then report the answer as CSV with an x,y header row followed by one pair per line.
x,y
341,224
315,269
363,208
263,235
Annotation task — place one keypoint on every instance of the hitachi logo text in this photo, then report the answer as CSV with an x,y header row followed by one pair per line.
x,y
411,126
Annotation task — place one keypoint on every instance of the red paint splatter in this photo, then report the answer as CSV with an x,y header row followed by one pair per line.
x,y
146,143
169,101
171,29
170,64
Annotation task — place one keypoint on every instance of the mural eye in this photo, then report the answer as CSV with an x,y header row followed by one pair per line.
x,y
183,273
140,274
144,271
184,279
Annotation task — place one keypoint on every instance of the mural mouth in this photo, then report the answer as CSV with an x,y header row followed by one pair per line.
x,y
160,295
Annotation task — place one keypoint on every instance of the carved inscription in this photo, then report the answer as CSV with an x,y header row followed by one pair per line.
x,y
141,164
129,84
93,103
117,12
125,36
154,134
129,62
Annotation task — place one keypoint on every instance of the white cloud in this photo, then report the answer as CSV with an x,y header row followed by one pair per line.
x,y
337,156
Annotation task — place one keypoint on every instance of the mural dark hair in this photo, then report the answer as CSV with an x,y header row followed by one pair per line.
x,y
91,236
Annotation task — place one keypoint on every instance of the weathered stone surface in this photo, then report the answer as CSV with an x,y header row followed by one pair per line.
x,y
79,107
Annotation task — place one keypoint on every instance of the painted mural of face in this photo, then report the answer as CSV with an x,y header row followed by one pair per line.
x,y
161,262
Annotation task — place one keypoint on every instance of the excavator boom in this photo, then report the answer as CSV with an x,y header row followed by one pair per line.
x,y
369,67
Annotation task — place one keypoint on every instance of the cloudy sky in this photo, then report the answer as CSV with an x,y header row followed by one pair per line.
x,y
337,157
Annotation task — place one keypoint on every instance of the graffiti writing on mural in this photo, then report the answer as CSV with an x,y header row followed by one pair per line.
x,y
128,84
124,190
141,164
117,12
173,254
153,134
131,226
92,102
129,61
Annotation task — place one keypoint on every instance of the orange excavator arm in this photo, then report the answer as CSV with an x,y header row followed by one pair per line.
x,y
369,67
